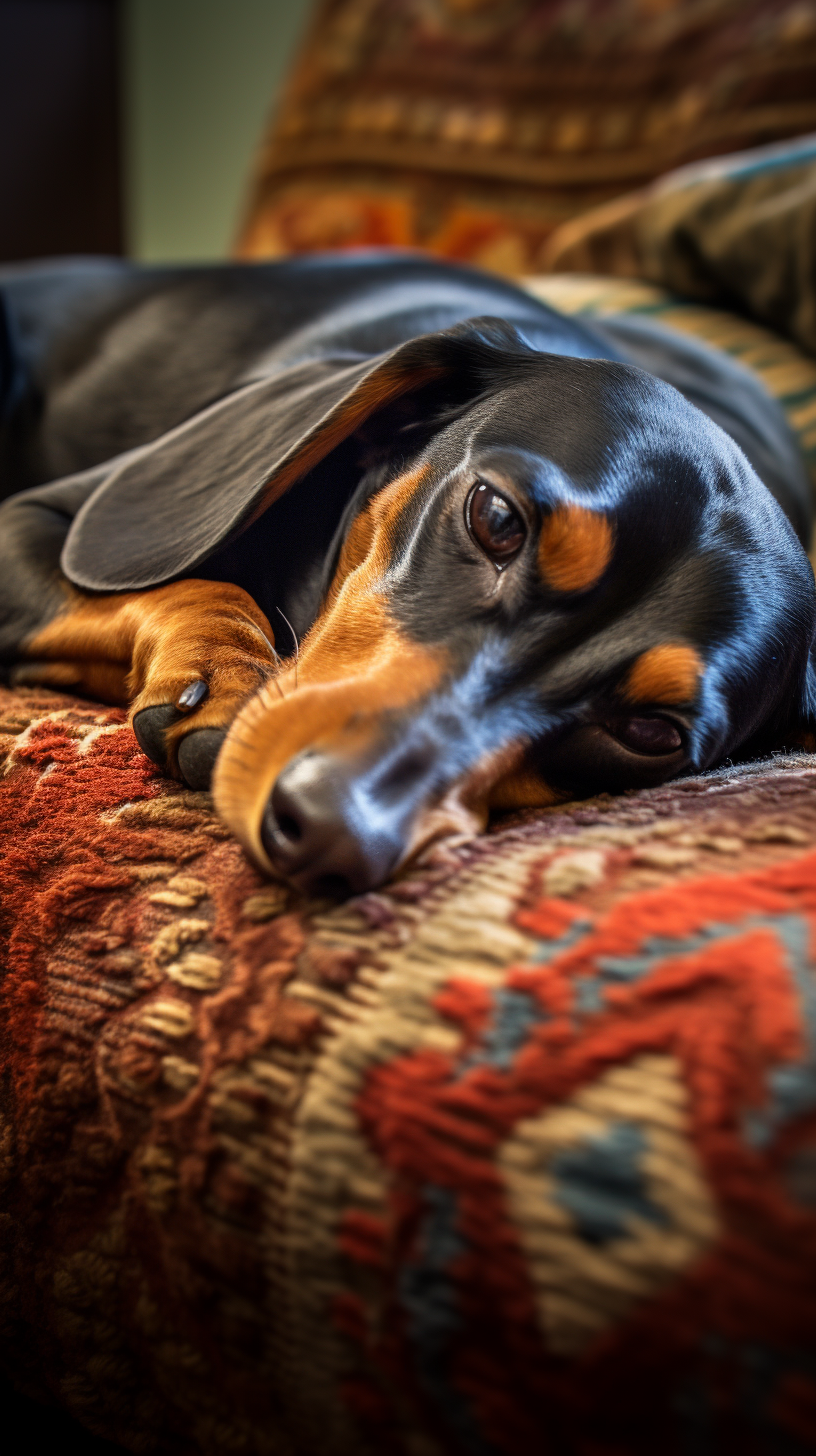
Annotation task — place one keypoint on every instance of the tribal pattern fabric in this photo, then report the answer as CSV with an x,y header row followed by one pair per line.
x,y
474,128
515,1155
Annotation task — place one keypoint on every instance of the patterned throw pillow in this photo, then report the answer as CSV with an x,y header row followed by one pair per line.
x,y
737,229
474,128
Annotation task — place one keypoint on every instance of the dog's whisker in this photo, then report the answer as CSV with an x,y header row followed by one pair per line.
x,y
294,639
275,678
278,660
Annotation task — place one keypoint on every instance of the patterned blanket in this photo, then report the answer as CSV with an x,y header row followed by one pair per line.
x,y
517,1154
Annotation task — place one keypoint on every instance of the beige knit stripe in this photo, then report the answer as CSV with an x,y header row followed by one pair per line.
x,y
794,378
722,329
803,415
581,293
307,1242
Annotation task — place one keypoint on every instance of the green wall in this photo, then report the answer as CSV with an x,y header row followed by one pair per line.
x,y
200,77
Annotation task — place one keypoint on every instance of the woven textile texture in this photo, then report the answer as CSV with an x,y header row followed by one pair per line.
x,y
515,1155
474,128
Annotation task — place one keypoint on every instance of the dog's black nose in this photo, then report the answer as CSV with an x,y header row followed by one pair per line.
x,y
319,834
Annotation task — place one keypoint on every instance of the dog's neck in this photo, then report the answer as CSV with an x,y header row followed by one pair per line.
x,y
285,559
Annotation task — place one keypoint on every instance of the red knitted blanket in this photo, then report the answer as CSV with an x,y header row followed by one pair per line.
x,y
516,1155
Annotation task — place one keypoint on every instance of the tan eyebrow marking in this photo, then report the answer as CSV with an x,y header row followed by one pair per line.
x,y
669,673
574,549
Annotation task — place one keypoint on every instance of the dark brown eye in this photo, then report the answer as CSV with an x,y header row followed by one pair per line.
x,y
493,524
654,736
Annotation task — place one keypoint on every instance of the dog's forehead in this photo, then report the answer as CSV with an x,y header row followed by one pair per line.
x,y
600,422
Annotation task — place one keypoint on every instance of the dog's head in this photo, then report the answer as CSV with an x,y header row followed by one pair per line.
x,y
577,583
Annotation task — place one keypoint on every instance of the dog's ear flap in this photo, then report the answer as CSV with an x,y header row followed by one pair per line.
x,y
162,512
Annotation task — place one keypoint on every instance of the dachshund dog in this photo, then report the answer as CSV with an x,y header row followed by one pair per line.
x,y
508,558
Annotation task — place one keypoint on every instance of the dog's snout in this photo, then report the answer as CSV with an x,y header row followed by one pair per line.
x,y
318,835
406,771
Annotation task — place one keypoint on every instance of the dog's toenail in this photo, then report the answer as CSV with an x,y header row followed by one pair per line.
x,y
193,694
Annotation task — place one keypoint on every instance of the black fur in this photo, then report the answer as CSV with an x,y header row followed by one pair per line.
x,y
149,413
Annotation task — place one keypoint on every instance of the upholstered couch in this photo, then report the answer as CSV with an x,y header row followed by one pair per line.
x,y
517,1154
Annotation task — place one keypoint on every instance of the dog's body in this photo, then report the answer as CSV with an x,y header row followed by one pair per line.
x,y
519,565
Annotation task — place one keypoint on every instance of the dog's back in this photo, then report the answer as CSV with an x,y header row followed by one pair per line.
x,y
98,356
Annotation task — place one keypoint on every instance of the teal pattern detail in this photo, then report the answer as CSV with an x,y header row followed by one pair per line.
x,y
601,1183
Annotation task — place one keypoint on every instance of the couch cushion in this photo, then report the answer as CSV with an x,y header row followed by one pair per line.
x,y
474,129
523,1143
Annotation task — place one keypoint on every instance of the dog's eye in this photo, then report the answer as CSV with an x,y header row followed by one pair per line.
x,y
621,753
493,524
653,736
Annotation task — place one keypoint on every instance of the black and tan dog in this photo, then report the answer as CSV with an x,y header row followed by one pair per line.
x,y
518,566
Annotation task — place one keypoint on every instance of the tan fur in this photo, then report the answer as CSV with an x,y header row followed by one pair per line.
x,y
144,648
669,673
524,790
574,548
354,666
500,780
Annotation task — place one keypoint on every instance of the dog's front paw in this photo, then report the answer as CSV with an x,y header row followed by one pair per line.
x,y
185,738
194,682
196,750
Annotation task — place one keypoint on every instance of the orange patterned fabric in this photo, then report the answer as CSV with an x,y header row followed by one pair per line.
x,y
473,128
515,1155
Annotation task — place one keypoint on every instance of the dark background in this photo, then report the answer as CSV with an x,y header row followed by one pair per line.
x,y
60,192
60,125
35,1430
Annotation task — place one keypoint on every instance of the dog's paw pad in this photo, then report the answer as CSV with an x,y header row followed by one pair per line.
x,y
150,726
197,754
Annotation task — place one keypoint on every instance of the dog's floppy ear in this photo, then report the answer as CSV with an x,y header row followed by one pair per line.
x,y
160,514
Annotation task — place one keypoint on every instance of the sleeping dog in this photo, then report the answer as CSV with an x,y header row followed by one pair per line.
x,y
506,558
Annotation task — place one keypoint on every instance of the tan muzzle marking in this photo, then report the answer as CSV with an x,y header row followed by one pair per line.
x,y
354,666
500,780
341,716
